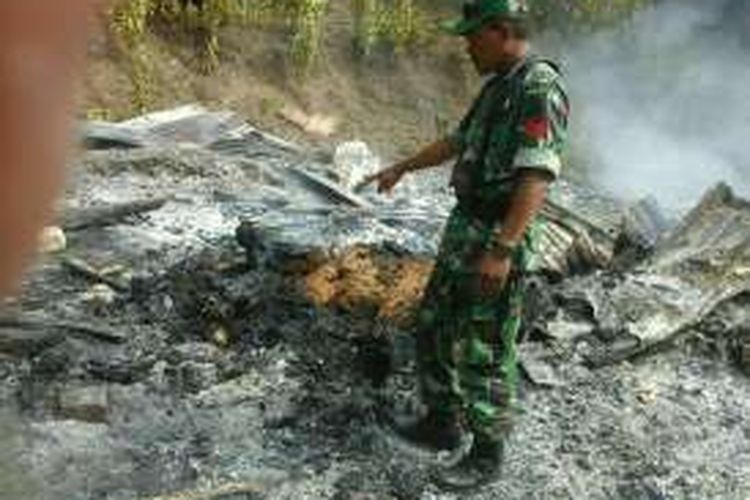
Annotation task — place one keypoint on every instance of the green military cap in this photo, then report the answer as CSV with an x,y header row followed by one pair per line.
x,y
478,13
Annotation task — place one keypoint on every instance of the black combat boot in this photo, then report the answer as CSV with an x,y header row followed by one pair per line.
x,y
435,431
481,466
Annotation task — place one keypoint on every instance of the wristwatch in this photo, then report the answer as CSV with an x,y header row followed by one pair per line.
x,y
501,249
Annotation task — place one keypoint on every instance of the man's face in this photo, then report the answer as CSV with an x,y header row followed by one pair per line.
x,y
486,47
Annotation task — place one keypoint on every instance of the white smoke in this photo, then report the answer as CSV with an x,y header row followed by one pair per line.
x,y
662,104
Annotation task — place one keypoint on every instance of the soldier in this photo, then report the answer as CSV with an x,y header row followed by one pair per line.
x,y
508,150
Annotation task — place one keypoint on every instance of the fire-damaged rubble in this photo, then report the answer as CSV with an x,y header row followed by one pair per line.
x,y
220,316
693,283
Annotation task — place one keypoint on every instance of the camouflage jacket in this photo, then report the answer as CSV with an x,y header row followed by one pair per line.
x,y
519,120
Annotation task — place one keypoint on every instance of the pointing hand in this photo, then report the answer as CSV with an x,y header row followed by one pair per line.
x,y
386,179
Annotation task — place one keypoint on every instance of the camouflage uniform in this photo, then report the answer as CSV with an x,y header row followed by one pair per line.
x,y
466,341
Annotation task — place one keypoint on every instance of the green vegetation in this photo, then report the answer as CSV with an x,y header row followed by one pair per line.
x,y
376,25
398,23
129,25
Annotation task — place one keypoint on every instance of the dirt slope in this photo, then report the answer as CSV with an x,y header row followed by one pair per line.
x,y
392,101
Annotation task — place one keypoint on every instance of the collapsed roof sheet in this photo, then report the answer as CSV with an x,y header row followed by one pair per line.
x,y
702,264
320,212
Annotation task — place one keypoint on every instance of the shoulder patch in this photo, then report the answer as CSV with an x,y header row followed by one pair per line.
x,y
536,128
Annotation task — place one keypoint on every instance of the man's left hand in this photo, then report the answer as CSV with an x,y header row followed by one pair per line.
x,y
492,274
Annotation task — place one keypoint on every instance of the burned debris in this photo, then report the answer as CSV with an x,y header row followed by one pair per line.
x,y
256,322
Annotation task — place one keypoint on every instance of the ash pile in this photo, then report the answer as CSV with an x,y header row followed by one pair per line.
x,y
218,315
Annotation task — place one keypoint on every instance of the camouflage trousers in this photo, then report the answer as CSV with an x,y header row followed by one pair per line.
x,y
466,342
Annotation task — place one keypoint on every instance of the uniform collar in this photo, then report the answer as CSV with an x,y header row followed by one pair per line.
x,y
505,75
513,69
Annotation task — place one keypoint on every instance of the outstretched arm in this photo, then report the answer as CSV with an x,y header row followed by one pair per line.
x,y
433,155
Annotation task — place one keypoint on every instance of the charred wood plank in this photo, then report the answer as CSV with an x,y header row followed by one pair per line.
x,y
98,332
110,214
331,190
85,270
24,342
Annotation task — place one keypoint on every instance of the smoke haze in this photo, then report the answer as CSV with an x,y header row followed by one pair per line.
x,y
663,103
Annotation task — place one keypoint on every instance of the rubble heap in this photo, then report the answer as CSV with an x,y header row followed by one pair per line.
x,y
219,316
